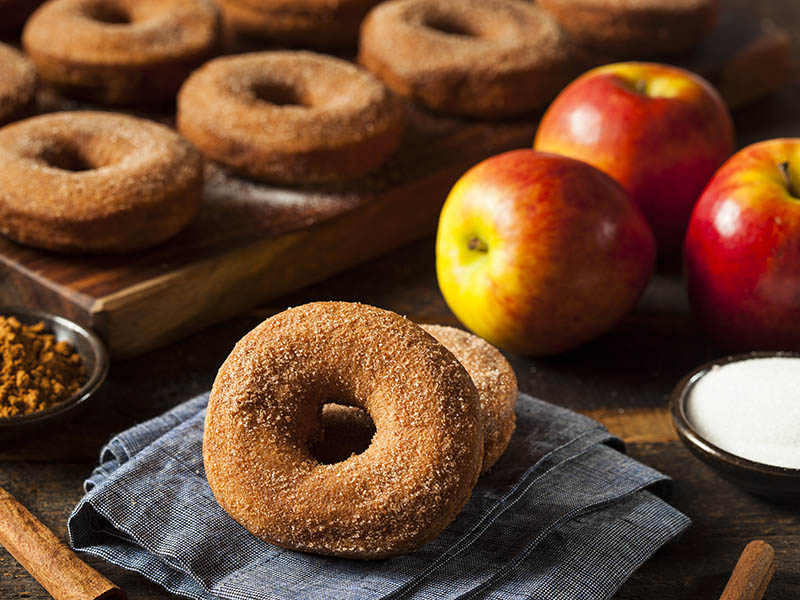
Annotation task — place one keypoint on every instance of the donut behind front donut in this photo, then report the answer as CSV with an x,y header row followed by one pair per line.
x,y
290,117
346,430
314,24
18,82
90,181
264,411
477,58
636,28
121,52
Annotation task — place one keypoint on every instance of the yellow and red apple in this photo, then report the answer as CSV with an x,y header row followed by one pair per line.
x,y
742,250
660,131
538,253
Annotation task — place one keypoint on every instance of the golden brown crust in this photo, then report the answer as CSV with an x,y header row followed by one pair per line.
x,y
95,182
125,52
485,58
636,28
346,430
495,381
290,117
310,24
17,84
13,14
265,407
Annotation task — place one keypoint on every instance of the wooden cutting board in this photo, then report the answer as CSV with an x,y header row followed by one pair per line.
x,y
253,242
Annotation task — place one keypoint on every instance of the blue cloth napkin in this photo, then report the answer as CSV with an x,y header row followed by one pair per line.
x,y
563,515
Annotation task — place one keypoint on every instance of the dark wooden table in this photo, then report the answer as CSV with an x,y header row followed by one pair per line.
x,y
622,379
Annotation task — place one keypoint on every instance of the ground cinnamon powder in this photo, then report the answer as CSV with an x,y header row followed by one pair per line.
x,y
37,371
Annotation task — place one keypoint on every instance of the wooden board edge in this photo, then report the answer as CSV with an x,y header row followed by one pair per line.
x,y
26,288
168,307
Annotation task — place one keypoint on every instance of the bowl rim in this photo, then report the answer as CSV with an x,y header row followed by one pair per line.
x,y
92,384
684,427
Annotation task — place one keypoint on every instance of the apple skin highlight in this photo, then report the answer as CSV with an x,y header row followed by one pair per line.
x,y
660,131
742,252
539,253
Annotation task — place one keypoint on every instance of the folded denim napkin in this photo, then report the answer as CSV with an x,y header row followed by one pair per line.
x,y
563,515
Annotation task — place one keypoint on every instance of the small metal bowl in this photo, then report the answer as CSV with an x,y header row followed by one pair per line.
x,y
90,348
755,477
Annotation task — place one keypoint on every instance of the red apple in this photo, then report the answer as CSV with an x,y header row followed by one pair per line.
x,y
538,253
659,130
743,250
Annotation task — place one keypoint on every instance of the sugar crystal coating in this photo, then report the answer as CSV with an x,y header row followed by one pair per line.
x,y
486,58
348,430
290,116
17,83
265,408
95,181
496,383
121,52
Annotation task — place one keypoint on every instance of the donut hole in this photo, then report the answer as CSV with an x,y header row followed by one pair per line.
x,y
279,94
450,25
346,431
67,158
109,13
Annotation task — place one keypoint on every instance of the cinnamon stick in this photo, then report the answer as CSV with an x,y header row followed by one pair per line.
x,y
752,573
51,562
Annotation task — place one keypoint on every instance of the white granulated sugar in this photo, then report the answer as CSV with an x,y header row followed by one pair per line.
x,y
751,408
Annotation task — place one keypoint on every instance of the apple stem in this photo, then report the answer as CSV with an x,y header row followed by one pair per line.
x,y
787,179
477,244
641,86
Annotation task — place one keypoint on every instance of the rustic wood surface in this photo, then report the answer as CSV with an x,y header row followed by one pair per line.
x,y
622,379
252,241
261,241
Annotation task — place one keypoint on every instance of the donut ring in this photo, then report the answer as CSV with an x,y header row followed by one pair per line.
x,y
17,84
320,25
265,406
290,117
14,13
347,430
92,182
483,58
121,52
636,28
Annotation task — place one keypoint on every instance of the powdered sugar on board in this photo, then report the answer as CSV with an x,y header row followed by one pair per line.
x,y
283,209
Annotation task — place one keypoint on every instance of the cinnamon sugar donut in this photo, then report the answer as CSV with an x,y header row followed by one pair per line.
x,y
318,24
13,14
495,381
121,52
17,84
347,430
91,181
290,117
264,408
636,28
484,58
